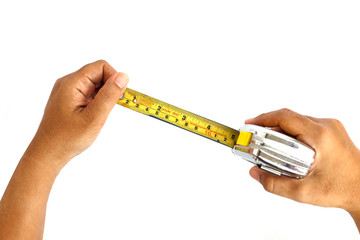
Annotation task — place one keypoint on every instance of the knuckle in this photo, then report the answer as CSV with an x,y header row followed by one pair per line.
x,y
83,70
58,83
335,123
323,131
290,115
286,113
61,84
286,110
329,127
101,62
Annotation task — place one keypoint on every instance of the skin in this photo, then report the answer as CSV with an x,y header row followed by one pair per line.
x,y
77,110
334,178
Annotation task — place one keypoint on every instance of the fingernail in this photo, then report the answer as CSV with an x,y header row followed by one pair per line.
x,y
120,80
255,174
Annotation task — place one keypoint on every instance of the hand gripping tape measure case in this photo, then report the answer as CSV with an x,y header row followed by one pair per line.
x,y
274,152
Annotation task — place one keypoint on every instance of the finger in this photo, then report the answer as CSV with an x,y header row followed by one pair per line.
x,y
278,129
90,77
282,186
291,122
106,98
314,119
97,72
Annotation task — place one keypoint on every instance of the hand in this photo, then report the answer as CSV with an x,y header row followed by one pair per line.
x,y
77,109
334,177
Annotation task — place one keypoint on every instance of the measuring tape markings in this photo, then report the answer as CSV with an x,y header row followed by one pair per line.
x,y
176,116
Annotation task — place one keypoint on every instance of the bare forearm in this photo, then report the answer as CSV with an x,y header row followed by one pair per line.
x,y
23,205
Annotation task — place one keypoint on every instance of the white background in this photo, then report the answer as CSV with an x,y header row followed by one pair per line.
x,y
224,60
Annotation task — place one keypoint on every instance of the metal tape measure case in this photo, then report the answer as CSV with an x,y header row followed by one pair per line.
x,y
274,152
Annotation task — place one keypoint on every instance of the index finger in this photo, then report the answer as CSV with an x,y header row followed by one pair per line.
x,y
297,125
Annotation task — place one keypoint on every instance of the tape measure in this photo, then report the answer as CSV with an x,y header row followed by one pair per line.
x,y
176,116
271,151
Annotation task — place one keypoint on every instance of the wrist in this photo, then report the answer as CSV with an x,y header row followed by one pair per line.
x,y
42,153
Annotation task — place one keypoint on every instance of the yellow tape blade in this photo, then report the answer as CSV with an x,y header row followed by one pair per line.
x,y
189,121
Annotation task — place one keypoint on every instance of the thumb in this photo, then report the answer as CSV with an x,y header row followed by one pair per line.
x,y
107,96
282,186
